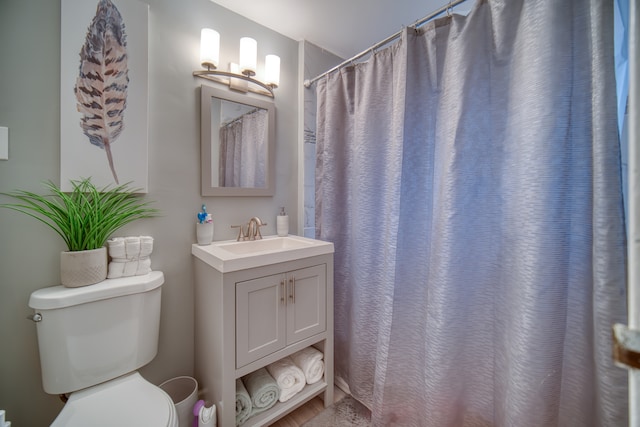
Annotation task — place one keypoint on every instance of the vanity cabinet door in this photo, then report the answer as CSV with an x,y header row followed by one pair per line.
x,y
275,311
306,303
260,318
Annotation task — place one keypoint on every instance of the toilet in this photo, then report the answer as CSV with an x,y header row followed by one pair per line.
x,y
92,340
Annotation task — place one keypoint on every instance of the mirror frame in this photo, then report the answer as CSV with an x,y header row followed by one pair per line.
x,y
207,93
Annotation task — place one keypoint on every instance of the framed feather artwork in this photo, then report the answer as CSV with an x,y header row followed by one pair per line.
x,y
104,92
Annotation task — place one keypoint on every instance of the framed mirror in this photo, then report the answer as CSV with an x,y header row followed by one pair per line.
x,y
237,144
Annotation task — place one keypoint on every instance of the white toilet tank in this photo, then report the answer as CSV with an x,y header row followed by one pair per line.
x,y
95,333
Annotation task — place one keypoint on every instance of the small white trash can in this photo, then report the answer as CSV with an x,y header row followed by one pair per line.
x,y
184,393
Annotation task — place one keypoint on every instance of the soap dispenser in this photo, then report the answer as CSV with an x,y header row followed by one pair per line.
x,y
204,227
282,223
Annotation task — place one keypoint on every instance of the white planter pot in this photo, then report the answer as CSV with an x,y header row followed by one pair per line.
x,y
82,268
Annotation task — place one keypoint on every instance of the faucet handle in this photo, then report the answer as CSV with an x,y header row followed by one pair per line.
x,y
241,235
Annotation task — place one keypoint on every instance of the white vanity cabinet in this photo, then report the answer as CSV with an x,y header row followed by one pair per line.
x,y
275,311
247,318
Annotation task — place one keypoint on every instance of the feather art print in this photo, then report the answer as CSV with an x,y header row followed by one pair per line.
x,y
101,87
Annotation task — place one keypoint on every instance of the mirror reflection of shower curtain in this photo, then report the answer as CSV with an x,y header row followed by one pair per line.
x,y
243,151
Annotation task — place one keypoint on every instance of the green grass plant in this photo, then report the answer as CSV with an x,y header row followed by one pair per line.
x,y
85,217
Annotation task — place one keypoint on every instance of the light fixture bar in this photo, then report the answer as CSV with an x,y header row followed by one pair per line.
x,y
240,85
218,76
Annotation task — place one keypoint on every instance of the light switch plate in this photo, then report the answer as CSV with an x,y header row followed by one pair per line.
x,y
4,143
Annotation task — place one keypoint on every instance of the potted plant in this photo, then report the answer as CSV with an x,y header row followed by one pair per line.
x,y
85,218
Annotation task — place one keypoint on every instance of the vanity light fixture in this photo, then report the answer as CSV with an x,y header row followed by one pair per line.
x,y
241,76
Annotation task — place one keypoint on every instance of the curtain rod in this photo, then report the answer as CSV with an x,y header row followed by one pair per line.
x,y
389,39
240,117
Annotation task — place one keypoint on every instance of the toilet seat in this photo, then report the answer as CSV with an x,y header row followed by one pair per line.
x,y
127,401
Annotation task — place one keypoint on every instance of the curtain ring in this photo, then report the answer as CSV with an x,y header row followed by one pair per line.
x,y
449,10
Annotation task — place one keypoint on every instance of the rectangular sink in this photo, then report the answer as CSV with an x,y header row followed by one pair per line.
x,y
230,255
269,244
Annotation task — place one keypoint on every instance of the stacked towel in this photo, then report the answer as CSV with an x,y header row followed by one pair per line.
x,y
129,256
243,403
288,376
263,390
132,247
310,361
260,390
146,246
116,248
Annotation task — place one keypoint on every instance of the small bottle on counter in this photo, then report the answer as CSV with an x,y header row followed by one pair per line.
x,y
282,223
204,227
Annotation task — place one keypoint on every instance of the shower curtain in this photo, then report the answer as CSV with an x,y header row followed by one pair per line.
x,y
469,178
243,144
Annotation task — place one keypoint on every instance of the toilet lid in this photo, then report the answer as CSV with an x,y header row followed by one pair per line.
x,y
128,401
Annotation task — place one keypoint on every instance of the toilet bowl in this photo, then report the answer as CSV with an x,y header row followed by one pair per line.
x,y
129,401
92,340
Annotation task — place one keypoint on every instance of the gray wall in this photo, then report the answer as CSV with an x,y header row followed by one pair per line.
x,y
29,107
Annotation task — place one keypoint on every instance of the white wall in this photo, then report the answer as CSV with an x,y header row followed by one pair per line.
x,y
29,107
314,61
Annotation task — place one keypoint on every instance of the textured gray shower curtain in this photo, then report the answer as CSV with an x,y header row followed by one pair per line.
x,y
469,177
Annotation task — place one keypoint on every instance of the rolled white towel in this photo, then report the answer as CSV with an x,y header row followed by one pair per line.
x,y
146,246
130,268
144,266
288,376
116,269
132,247
310,361
115,247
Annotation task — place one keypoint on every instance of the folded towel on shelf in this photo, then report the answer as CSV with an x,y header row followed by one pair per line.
x,y
115,247
144,266
310,361
126,258
146,246
116,269
124,268
130,268
132,247
243,403
263,390
288,376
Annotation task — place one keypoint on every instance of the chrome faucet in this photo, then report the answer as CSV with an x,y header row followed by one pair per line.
x,y
253,230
